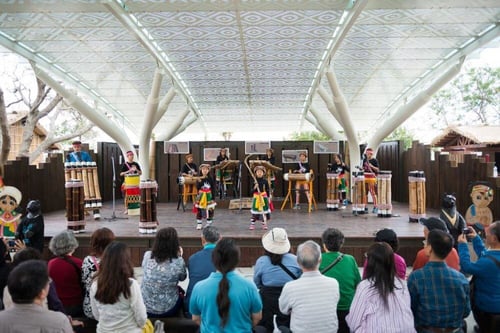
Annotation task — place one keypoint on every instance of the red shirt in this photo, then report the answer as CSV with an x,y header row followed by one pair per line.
x,y
452,260
66,280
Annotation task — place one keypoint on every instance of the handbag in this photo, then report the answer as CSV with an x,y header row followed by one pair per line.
x,y
148,327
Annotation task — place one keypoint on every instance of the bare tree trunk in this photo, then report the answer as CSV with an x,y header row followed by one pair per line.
x,y
4,127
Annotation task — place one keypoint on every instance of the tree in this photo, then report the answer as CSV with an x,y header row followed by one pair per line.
x,y
402,134
471,98
306,136
4,127
40,105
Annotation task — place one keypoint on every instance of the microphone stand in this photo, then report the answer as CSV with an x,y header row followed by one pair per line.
x,y
113,216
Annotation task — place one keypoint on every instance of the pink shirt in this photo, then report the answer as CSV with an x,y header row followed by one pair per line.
x,y
400,264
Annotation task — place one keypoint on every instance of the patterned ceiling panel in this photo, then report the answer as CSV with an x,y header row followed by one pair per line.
x,y
248,63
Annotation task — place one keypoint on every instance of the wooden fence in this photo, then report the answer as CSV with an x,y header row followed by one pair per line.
x,y
46,182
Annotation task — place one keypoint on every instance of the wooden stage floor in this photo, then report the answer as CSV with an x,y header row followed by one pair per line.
x,y
300,225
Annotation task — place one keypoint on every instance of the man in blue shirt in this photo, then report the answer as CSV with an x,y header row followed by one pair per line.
x,y
439,294
200,264
78,155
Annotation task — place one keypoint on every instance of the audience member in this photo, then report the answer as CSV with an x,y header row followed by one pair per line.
x,y
163,268
66,272
200,264
439,294
98,241
311,300
486,271
390,237
31,228
435,223
28,285
272,270
382,300
226,301
343,268
5,268
115,296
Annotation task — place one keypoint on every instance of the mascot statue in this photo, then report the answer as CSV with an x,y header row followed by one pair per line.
x,y
449,214
481,194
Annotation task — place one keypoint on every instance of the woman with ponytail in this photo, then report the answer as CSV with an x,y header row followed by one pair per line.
x,y
226,301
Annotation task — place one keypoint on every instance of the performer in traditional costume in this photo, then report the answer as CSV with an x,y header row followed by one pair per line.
x,y
130,169
339,167
261,206
371,169
205,203
302,167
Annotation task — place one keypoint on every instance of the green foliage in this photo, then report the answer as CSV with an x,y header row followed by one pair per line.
x,y
403,135
308,136
470,99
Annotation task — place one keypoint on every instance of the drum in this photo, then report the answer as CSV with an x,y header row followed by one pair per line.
x,y
190,180
75,211
358,193
297,176
148,222
416,192
132,194
332,191
384,195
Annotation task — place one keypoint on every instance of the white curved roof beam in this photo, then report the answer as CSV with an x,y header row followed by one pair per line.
x,y
351,13
148,122
184,125
132,24
164,103
171,131
98,119
323,124
434,75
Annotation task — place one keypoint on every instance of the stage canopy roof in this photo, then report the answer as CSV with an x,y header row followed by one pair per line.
x,y
253,68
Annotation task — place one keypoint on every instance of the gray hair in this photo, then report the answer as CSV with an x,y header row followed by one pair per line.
x,y
63,243
309,255
211,234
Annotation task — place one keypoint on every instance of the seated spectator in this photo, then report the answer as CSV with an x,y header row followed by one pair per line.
x,y
439,294
65,272
486,271
435,223
163,268
115,296
343,268
382,300
200,264
311,300
98,241
275,268
5,268
28,285
226,301
390,237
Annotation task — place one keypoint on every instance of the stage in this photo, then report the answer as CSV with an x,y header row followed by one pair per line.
x,y
300,225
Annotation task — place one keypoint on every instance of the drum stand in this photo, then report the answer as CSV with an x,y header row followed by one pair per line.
x,y
113,216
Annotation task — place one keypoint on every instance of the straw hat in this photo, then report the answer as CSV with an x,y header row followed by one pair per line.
x,y
276,241
259,167
205,165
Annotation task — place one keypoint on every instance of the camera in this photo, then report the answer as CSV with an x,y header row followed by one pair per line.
x,y
466,231
11,242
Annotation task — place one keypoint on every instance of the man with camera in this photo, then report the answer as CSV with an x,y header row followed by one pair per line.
x,y
486,275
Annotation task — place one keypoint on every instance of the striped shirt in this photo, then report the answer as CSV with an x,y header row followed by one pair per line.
x,y
312,303
439,296
368,313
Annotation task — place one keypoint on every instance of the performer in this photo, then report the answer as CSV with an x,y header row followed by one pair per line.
x,y
370,165
189,169
271,177
302,167
205,204
261,206
81,156
222,175
338,166
130,167
78,155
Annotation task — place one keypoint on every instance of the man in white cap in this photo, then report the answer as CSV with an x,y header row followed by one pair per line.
x,y
311,300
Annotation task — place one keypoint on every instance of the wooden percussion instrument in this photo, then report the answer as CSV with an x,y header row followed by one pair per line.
x,y
384,194
227,164
332,191
86,172
75,211
188,180
297,176
148,222
416,191
225,170
266,164
358,193
132,194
